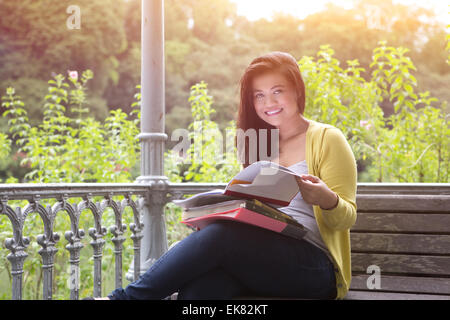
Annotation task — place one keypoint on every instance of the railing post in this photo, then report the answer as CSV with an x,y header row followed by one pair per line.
x,y
17,259
74,247
152,136
16,246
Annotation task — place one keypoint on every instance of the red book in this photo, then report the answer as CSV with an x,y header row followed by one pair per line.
x,y
245,215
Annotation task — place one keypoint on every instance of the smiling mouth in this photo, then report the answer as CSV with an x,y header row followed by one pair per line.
x,y
273,112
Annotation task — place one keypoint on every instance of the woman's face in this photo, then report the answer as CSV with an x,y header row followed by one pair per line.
x,y
274,98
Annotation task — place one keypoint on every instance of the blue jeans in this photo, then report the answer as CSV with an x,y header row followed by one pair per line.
x,y
227,259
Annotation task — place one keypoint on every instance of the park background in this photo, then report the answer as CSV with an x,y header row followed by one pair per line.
x,y
377,70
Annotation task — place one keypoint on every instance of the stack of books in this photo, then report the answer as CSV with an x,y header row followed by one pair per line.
x,y
251,197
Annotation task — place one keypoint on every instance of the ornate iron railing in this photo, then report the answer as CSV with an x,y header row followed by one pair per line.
x,y
60,195
146,195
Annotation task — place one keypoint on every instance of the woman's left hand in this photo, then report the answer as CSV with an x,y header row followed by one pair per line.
x,y
315,192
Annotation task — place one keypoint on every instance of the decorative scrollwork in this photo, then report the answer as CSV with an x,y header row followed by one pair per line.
x,y
18,243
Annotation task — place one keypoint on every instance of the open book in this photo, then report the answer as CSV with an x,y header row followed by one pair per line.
x,y
263,180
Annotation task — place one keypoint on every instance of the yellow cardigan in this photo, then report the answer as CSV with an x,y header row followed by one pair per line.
x,y
330,157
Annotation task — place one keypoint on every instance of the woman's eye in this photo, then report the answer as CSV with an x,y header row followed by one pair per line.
x,y
259,96
277,91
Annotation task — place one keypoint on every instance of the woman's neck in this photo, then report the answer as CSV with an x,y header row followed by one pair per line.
x,y
293,128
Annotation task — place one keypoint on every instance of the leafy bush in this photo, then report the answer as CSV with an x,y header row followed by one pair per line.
x,y
410,145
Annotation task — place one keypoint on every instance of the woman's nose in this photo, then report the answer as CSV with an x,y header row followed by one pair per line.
x,y
272,99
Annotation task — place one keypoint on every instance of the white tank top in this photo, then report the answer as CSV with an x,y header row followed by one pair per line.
x,y
303,212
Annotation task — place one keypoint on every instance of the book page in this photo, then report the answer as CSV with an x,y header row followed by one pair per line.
x,y
258,168
203,198
275,166
269,180
269,176
248,174
285,190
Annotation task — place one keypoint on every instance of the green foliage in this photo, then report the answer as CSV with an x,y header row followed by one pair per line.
x,y
18,120
65,149
5,146
410,145
211,156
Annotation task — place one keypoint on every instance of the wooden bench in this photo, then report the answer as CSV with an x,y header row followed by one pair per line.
x,y
405,232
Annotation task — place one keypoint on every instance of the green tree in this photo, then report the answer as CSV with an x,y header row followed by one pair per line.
x,y
35,41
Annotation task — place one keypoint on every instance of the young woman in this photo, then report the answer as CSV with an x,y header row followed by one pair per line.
x,y
228,259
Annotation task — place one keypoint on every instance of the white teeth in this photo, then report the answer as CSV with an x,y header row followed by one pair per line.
x,y
273,112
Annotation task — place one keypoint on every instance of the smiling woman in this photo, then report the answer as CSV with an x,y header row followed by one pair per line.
x,y
228,259
273,97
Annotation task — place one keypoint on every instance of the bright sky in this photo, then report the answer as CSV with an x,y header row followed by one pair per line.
x,y
255,9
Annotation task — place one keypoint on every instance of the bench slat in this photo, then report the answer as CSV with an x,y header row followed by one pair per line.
x,y
414,188
402,222
403,203
400,243
402,264
404,284
372,295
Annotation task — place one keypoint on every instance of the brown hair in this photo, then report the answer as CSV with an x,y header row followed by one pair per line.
x,y
247,118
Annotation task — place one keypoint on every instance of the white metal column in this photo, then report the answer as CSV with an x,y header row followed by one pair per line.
x,y
152,136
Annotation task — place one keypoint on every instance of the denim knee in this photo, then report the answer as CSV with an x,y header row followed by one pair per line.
x,y
216,233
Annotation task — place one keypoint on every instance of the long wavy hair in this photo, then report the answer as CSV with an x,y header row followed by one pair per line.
x,y
247,118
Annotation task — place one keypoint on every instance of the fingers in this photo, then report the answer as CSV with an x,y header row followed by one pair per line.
x,y
309,177
310,188
304,184
307,183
